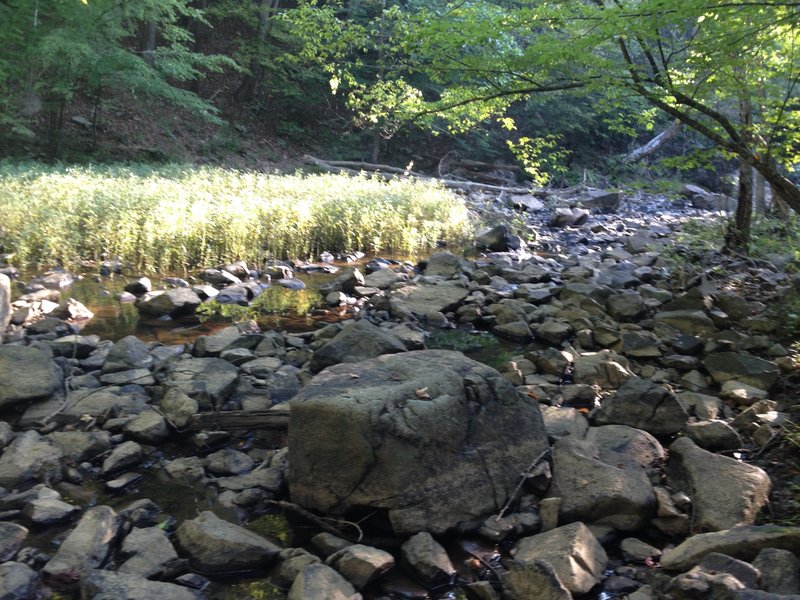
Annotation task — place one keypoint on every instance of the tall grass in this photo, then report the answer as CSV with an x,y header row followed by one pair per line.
x,y
174,218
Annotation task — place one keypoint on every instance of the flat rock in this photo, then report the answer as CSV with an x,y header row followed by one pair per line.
x,y
217,546
743,542
47,511
28,374
743,367
208,380
424,299
356,342
172,303
111,585
80,446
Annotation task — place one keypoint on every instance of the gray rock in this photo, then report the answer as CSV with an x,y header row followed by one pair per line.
x,y
218,277
292,562
604,201
780,571
356,342
178,407
688,321
553,331
216,343
104,403
172,303
29,458
442,264
217,546
636,550
575,555
148,551
725,492
743,367
18,582
382,279
427,559
74,346
209,381
743,542
5,303
262,367
568,217
516,331
47,511
139,287
229,462
713,435
88,546
432,436
110,585
148,427
126,354
533,579
744,572
360,564
121,378
28,374
626,306
591,489
605,369
561,421
640,344
123,456
12,537
320,582
492,238
80,446
625,446
420,300
643,404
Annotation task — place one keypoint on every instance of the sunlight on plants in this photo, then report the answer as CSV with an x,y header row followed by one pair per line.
x,y
178,218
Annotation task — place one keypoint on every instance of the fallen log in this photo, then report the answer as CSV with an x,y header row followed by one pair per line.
x,y
386,172
233,420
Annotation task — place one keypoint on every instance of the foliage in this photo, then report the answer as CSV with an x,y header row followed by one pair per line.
x,y
56,51
540,157
180,217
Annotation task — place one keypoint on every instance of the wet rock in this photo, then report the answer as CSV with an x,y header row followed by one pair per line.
x,y
427,559
743,542
360,564
320,582
575,555
148,551
533,579
28,374
47,511
149,427
780,571
725,492
643,404
18,582
413,300
218,277
173,303
139,287
74,346
208,380
743,367
126,354
123,456
111,585
358,341
217,546
12,537
88,546
29,458
432,436
591,489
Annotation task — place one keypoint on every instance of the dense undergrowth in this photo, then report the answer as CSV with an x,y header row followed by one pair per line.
x,y
179,217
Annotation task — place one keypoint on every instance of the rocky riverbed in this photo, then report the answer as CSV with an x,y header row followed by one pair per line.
x,y
633,445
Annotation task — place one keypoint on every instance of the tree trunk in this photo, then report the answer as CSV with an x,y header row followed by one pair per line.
x,y
737,238
247,88
148,42
654,144
759,193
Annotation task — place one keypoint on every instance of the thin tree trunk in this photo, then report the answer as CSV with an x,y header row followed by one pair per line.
x,y
148,40
654,144
759,193
247,88
737,238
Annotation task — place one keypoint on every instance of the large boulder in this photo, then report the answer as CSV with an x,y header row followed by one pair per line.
x,y
431,436
725,492
357,341
110,585
172,303
29,458
27,374
208,380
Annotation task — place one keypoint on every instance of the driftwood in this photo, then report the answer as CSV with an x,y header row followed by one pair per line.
x,y
654,144
387,171
232,420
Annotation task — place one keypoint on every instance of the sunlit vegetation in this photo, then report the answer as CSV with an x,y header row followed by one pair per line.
x,y
176,218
